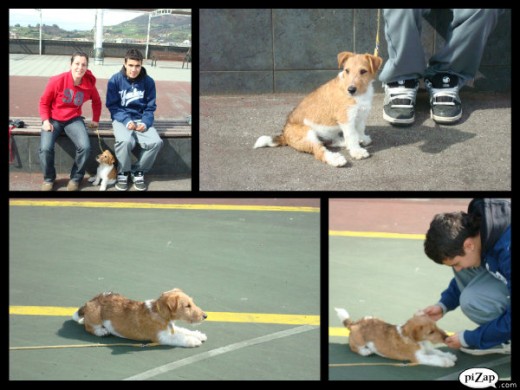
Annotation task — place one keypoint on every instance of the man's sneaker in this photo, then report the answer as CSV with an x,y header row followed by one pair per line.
x,y
72,185
399,105
504,349
47,185
444,97
138,179
122,181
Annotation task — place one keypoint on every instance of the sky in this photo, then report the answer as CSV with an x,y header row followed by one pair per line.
x,y
69,19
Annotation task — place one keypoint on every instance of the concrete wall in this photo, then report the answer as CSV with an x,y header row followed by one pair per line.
x,y
294,50
50,47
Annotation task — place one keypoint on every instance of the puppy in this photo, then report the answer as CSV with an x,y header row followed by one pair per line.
x,y
412,341
110,313
106,170
335,113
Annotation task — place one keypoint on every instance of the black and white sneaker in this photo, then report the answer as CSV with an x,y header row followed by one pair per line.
x,y
445,102
122,181
399,105
504,349
138,179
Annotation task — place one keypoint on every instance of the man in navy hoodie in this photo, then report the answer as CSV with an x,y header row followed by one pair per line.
x,y
477,245
131,102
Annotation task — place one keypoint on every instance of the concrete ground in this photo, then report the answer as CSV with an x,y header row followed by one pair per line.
x,y
390,278
473,155
236,257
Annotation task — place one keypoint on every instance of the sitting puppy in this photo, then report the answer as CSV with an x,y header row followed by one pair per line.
x,y
110,313
411,341
106,170
335,113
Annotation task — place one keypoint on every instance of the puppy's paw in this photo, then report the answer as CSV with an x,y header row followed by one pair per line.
x,y
366,140
91,179
450,356
359,153
335,159
192,342
447,362
201,336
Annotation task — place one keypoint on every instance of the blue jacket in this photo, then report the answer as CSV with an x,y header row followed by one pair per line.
x,y
130,100
495,233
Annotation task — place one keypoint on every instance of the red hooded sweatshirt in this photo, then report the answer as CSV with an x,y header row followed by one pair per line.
x,y
62,101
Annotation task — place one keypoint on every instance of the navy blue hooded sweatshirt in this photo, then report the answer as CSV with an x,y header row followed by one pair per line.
x,y
131,99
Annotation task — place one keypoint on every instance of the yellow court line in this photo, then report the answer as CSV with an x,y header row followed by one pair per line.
x,y
131,205
264,318
377,235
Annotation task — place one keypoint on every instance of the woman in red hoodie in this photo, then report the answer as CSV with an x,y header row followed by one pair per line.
x,y
60,111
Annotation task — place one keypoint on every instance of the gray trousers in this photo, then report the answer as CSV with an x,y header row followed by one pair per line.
x,y
483,297
126,140
461,55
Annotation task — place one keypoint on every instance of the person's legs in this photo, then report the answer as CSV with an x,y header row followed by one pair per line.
x,y
458,61
465,43
151,144
483,297
46,152
77,132
125,143
405,65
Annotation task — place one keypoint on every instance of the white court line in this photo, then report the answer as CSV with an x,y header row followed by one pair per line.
x,y
488,364
219,351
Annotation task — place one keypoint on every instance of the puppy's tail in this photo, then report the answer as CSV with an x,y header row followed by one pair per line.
x,y
344,317
78,316
266,140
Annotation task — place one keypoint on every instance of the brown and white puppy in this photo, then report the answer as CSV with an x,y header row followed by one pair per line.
x,y
106,170
110,313
334,114
413,341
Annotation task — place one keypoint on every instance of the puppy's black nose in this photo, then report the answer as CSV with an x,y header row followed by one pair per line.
x,y
352,90
204,316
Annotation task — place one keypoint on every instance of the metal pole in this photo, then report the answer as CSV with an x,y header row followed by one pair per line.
x,y
41,18
148,35
98,45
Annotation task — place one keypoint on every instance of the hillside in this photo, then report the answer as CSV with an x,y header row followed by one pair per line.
x,y
164,29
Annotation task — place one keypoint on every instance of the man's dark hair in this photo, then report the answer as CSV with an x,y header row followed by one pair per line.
x,y
78,53
447,233
133,54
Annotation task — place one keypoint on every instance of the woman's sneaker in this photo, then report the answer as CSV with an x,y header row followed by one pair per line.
x,y
399,105
504,349
444,97
138,179
122,181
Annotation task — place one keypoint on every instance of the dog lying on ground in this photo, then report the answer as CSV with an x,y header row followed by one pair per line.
x,y
110,313
335,113
106,170
412,341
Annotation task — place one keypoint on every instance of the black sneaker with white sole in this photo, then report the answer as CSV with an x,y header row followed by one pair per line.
x,y
122,181
399,105
138,179
445,102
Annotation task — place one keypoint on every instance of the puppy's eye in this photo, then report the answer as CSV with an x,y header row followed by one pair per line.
x,y
188,306
347,71
362,71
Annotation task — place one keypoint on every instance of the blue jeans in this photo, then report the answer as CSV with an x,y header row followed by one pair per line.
x,y
77,132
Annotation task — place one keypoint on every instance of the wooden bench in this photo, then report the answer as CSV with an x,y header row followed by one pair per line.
x,y
170,128
175,155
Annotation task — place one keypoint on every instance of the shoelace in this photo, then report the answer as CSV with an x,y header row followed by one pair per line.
x,y
401,93
438,95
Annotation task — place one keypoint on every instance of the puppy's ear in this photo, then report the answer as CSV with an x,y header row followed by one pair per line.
x,y
343,56
375,62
